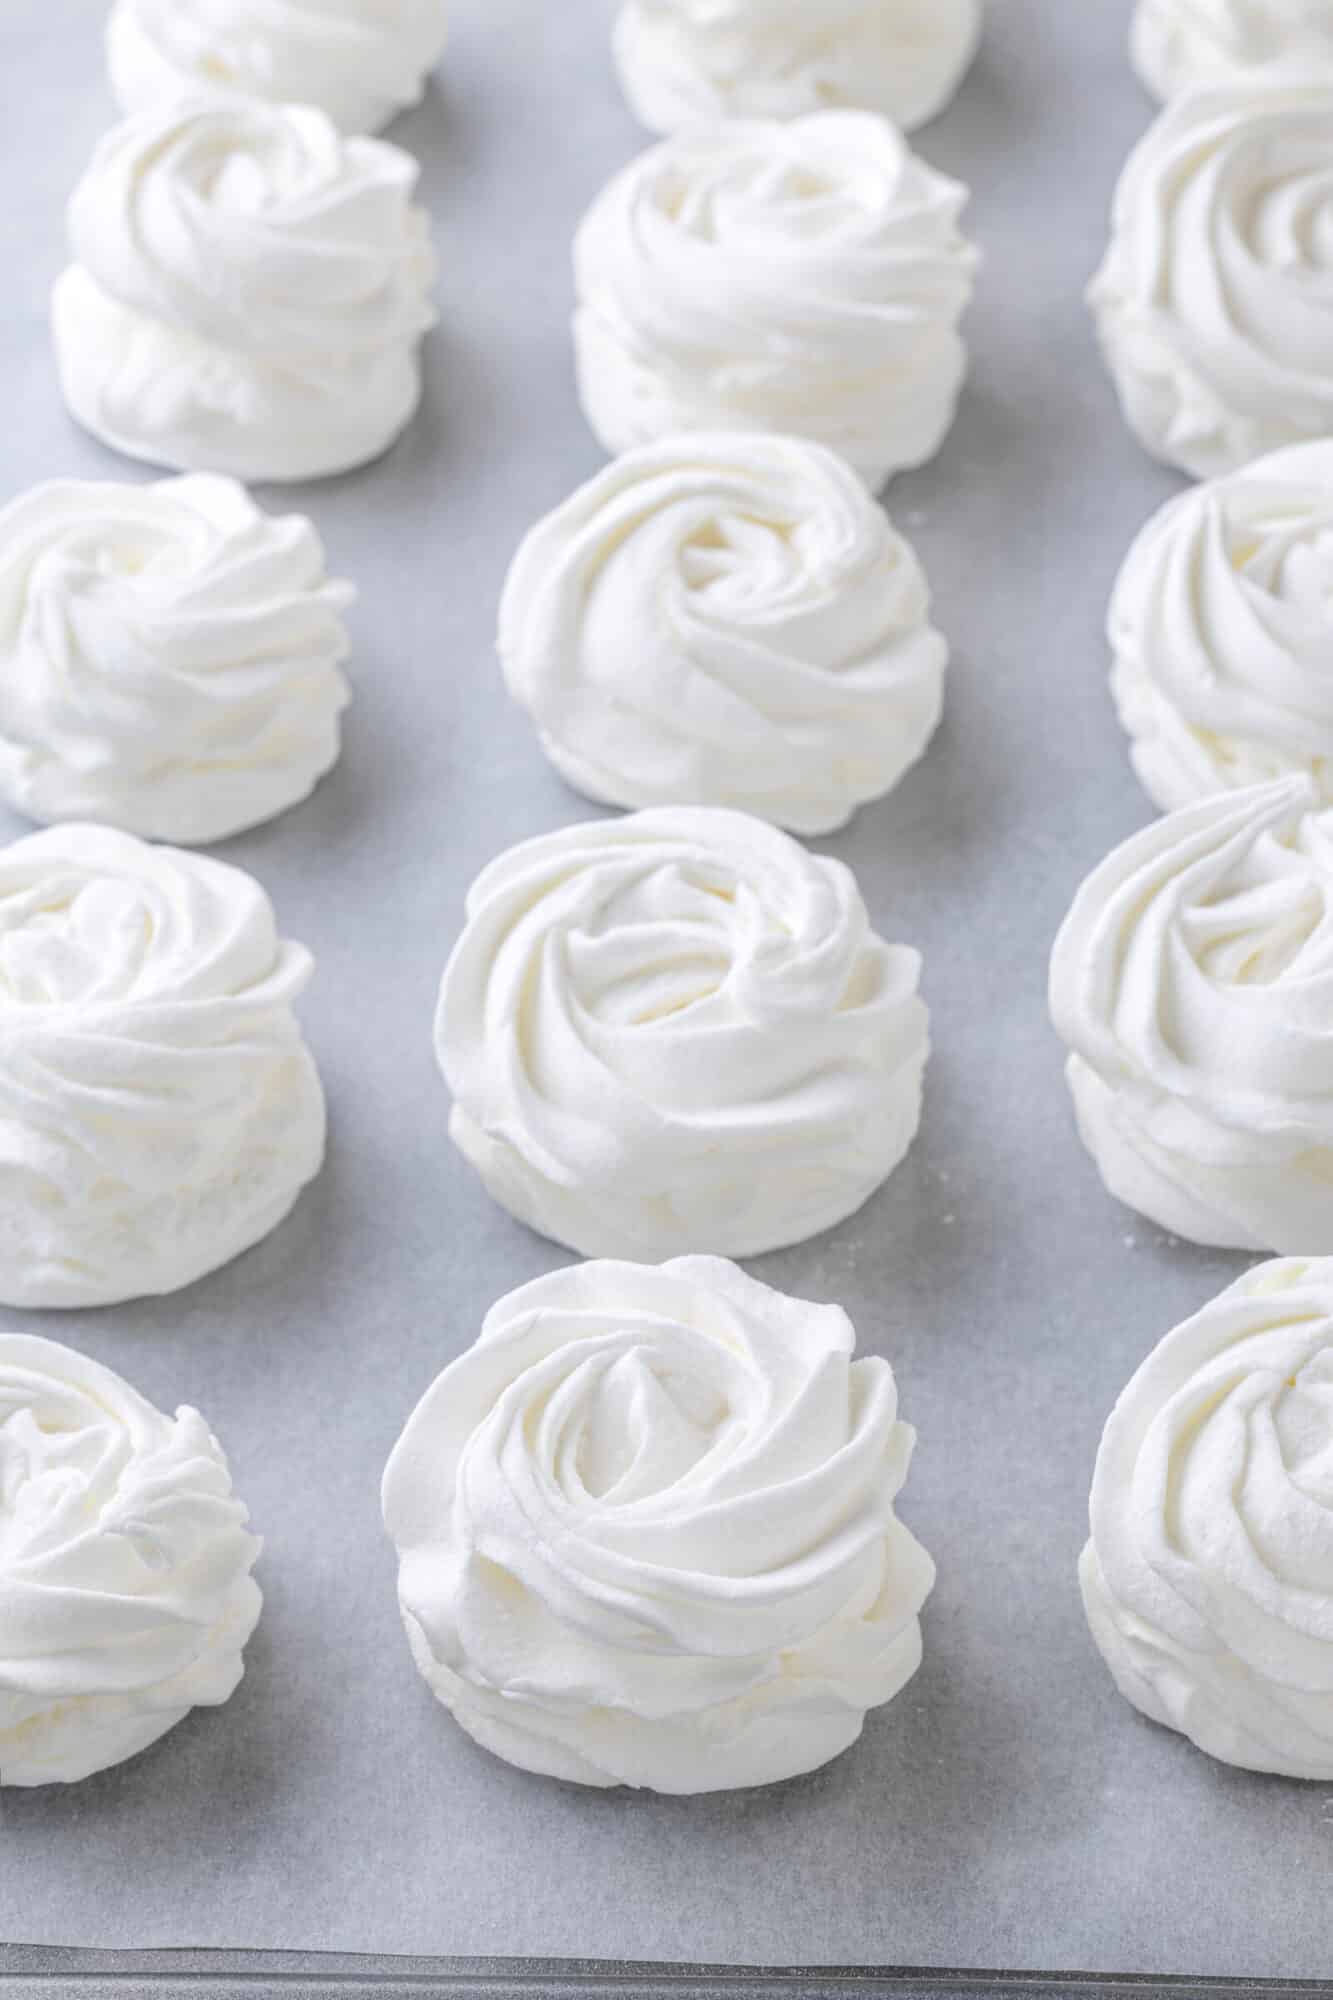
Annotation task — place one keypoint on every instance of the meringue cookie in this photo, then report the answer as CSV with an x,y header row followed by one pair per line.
x,y
1215,302
725,620
1208,1578
125,1588
360,61
677,1030
248,292
689,62
169,657
647,1535
805,278
1222,629
1193,983
159,1111
1176,43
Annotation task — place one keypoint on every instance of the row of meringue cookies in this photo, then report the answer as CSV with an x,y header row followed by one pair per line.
x,y
677,1031
1192,980
675,1450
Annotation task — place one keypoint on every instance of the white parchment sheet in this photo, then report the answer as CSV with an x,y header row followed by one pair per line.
x,y
1009,1808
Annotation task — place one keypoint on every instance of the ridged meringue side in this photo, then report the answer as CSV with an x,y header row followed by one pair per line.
x,y
169,657
805,277
1221,626
690,62
677,1031
1208,1577
647,1535
125,1588
1177,43
1193,984
1214,304
361,62
159,1110
725,620
247,294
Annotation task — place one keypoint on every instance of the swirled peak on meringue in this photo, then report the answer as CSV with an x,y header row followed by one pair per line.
x,y
1193,983
1176,43
677,1031
1208,1578
1214,303
805,277
125,1588
247,294
647,1535
1221,625
159,1110
360,61
169,657
688,62
725,620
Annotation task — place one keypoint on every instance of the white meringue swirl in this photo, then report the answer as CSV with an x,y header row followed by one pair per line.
x,y
1193,983
248,292
725,620
689,62
806,278
169,657
159,1111
1214,304
361,62
1208,1578
677,1031
647,1533
125,1588
1221,624
1177,43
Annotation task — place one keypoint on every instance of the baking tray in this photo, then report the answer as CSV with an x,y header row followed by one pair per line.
x,y
1008,1809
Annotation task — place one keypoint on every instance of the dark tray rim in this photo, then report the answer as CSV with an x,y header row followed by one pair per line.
x,y
33,1972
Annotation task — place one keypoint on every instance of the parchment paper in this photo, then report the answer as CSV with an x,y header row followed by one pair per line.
x,y
1008,1808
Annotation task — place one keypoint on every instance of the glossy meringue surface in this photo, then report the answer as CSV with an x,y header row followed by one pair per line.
x,y
170,657
725,620
1178,43
1214,303
689,62
1193,984
1221,627
359,61
646,1530
125,1588
159,1110
1208,1577
247,294
804,277
676,1031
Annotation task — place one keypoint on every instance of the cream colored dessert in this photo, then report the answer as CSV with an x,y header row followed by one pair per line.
x,y
159,1110
1215,300
805,277
688,62
1193,984
1221,625
247,294
360,61
1208,1578
725,620
170,657
1177,43
678,1031
646,1530
125,1589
